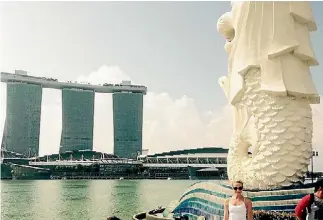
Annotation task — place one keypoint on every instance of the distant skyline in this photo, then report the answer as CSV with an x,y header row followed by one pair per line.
x,y
173,48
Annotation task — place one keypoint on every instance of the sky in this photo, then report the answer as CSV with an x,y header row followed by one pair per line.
x,y
173,48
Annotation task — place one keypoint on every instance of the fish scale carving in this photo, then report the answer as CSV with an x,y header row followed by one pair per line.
x,y
285,131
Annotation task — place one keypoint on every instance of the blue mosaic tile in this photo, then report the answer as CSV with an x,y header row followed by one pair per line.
x,y
197,205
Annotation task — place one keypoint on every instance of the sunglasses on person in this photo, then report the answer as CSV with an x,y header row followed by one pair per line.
x,y
237,188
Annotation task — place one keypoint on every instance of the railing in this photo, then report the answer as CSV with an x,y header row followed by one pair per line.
x,y
62,163
182,165
85,163
187,160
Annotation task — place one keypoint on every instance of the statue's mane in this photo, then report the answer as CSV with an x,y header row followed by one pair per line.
x,y
275,37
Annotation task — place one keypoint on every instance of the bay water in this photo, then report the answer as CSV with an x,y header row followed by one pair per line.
x,y
85,199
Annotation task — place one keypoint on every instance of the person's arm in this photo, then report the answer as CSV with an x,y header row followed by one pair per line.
x,y
249,209
301,206
226,209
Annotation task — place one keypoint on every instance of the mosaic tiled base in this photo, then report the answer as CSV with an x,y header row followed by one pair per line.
x,y
207,198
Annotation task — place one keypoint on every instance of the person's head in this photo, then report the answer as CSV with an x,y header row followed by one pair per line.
x,y
237,186
318,189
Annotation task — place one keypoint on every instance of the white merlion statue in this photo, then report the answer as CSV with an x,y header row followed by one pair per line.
x,y
270,88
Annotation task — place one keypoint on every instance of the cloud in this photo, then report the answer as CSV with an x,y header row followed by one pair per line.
x,y
169,124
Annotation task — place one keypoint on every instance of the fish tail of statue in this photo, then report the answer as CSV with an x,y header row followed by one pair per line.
x,y
281,139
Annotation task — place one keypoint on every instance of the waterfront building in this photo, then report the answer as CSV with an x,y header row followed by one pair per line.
x,y
86,157
77,120
120,169
128,119
22,124
25,172
86,164
199,163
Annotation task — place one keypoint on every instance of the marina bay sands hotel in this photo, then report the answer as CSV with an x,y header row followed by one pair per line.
x,y
22,124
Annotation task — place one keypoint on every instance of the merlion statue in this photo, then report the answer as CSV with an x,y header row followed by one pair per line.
x,y
270,88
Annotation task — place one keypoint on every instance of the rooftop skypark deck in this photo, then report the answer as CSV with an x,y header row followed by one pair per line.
x,y
55,84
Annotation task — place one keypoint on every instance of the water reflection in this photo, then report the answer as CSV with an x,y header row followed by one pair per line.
x,y
19,192
156,193
75,199
47,200
126,198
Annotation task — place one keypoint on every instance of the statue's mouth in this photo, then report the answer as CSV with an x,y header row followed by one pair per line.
x,y
228,46
231,36
229,41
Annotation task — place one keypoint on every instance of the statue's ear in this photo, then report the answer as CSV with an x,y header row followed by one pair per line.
x,y
225,85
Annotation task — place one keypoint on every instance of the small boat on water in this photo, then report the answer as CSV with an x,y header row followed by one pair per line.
x,y
121,178
154,214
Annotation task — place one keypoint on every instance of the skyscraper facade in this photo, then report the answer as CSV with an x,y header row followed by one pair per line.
x,y
127,116
77,120
22,125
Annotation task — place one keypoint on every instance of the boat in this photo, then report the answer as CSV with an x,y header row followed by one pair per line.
x,y
153,214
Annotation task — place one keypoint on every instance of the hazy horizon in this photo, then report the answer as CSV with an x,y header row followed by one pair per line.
x,y
173,48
